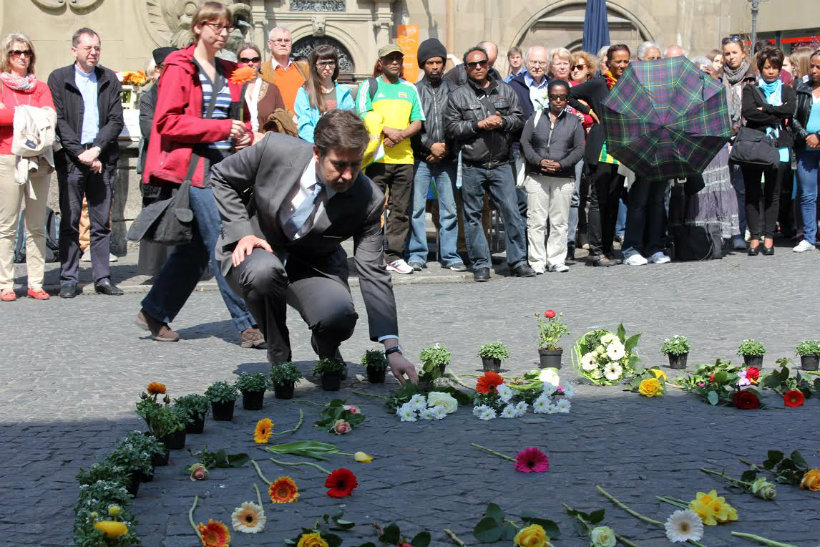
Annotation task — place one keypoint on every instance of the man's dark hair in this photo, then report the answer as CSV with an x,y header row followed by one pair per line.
x,y
475,48
772,54
340,130
557,83
75,38
617,47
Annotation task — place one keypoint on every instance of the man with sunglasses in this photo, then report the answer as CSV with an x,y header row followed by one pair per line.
x,y
287,206
481,117
280,70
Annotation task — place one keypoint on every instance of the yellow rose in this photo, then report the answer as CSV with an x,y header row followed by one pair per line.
x,y
650,387
113,529
311,540
811,480
532,536
712,509
659,374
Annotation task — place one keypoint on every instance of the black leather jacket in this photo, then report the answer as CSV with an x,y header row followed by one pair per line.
x,y
801,116
433,102
470,104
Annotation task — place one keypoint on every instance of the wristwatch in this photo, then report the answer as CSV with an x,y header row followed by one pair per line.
x,y
395,349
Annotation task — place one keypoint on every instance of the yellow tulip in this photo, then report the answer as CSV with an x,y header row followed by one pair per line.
x,y
362,457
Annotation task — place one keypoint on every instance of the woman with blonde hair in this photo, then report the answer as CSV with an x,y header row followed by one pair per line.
x,y
560,61
19,87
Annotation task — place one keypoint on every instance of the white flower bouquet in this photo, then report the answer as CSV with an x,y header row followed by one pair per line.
x,y
497,399
606,358
436,405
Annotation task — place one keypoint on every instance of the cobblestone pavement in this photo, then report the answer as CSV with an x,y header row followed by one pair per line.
x,y
72,371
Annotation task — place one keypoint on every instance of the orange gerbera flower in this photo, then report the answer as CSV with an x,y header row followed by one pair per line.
x,y
214,534
283,490
242,75
262,433
488,382
156,388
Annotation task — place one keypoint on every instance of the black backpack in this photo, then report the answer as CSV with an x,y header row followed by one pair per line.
x,y
52,238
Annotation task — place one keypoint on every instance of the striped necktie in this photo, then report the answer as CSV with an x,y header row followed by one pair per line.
x,y
304,211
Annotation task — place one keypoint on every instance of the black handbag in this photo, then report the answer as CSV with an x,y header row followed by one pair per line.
x,y
755,148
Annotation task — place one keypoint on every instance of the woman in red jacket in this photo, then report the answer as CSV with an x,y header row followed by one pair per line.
x,y
194,128
19,87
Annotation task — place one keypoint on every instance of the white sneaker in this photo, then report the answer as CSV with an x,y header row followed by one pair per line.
x,y
399,266
635,260
659,258
559,268
112,257
803,246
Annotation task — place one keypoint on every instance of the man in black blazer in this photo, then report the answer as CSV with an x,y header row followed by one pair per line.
x,y
286,207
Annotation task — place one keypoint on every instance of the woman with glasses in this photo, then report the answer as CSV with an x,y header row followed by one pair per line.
x,y
807,137
195,126
321,93
19,87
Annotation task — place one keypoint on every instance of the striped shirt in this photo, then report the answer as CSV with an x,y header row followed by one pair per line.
x,y
221,110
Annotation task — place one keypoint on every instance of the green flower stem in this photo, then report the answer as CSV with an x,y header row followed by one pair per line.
x,y
674,501
259,472
736,482
454,538
452,376
258,495
623,506
756,467
298,424
762,540
191,518
316,465
589,528
493,452
366,394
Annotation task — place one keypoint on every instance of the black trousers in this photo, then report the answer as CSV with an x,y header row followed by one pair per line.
x,y
399,179
605,188
268,286
763,200
74,182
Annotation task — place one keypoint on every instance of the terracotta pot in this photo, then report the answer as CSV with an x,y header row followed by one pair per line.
x,y
550,357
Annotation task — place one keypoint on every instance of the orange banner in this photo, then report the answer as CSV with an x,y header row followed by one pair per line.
x,y
407,37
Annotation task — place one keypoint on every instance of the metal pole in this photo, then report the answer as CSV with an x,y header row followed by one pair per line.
x,y
755,10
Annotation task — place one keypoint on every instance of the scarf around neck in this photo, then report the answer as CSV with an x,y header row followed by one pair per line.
x,y
610,79
23,84
734,75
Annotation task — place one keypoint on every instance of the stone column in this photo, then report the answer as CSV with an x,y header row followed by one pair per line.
x,y
259,18
383,23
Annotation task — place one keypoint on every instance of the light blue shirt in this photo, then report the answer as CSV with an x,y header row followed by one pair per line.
x,y
87,84
538,92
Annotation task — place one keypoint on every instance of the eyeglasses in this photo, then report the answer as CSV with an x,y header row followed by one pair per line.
x,y
732,38
19,52
217,28
326,64
558,97
539,63
280,40
476,64
579,67
249,59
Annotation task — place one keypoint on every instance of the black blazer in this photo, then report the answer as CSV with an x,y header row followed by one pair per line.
x,y
70,107
770,116
593,92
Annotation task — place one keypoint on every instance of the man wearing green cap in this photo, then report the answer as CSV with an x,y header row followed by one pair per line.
x,y
397,101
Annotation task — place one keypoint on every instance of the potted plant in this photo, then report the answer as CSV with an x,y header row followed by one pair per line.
x,y
551,331
166,424
375,364
103,471
434,360
677,350
194,407
148,445
331,371
253,387
752,352
809,352
491,356
284,377
222,396
134,462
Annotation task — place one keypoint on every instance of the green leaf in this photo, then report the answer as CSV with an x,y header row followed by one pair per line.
x,y
622,333
341,524
486,531
773,457
391,534
332,540
749,475
712,397
549,526
798,460
422,539
509,531
494,512
596,516
632,342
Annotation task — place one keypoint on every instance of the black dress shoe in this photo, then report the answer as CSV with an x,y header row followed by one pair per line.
x,y
768,251
68,290
523,270
481,274
106,287
753,251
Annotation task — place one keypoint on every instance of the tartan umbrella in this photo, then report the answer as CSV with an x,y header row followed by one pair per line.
x,y
666,119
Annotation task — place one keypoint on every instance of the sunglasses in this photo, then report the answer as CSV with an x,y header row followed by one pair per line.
x,y
728,39
558,97
249,59
476,64
579,67
19,52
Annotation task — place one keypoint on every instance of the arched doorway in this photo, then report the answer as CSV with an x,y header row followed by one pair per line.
x,y
303,46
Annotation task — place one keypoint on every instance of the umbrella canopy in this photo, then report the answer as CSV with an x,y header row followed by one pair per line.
x,y
596,27
666,119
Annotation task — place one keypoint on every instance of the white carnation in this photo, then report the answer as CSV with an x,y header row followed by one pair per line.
x,y
588,361
444,400
613,371
406,413
505,392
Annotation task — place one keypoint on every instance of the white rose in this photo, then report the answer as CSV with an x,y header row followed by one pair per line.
x,y
602,536
550,375
438,398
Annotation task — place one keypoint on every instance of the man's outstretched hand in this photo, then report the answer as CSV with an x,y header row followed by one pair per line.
x,y
401,367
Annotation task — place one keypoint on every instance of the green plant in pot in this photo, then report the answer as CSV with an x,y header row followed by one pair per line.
x,y
284,377
222,396
194,408
164,422
147,444
434,361
752,352
375,363
253,387
137,464
103,471
331,370
677,350
809,352
492,354
551,329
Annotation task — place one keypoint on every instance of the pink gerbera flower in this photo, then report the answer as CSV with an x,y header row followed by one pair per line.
x,y
532,460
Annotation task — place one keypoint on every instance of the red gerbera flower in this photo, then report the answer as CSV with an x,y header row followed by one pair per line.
x,y
793,398
488,382
549,314
214,534
532,460
746,400
341,483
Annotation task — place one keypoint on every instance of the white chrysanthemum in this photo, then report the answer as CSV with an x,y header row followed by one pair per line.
x,y
505,392
477,410
615,351
438,412
426,414
548,388
406,413
521,409
550,375
588,361
562,406
608,338
484,412
508,412
569,391
444,400
540,405
551,409
418,402
613,371
684,526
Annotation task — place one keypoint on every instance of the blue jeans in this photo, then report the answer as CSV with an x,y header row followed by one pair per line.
x,y
645,218
740,192
620,225
187,263
442,175
808,174
501,185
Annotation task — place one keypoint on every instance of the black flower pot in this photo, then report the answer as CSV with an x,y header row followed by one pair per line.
x,y
677,361
375,375
753,361
158,460
331,381
223,412
809,362
491,364
146,477
253,400
284,391
441,367
132,484
550,358
174,441
197,425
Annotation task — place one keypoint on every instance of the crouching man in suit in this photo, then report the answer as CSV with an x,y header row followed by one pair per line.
x,y
286,207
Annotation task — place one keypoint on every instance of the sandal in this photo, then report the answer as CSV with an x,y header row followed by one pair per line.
x,y
8,295
38,294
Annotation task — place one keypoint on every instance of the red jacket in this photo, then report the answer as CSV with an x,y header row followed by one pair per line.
x,y
40,97
178,123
